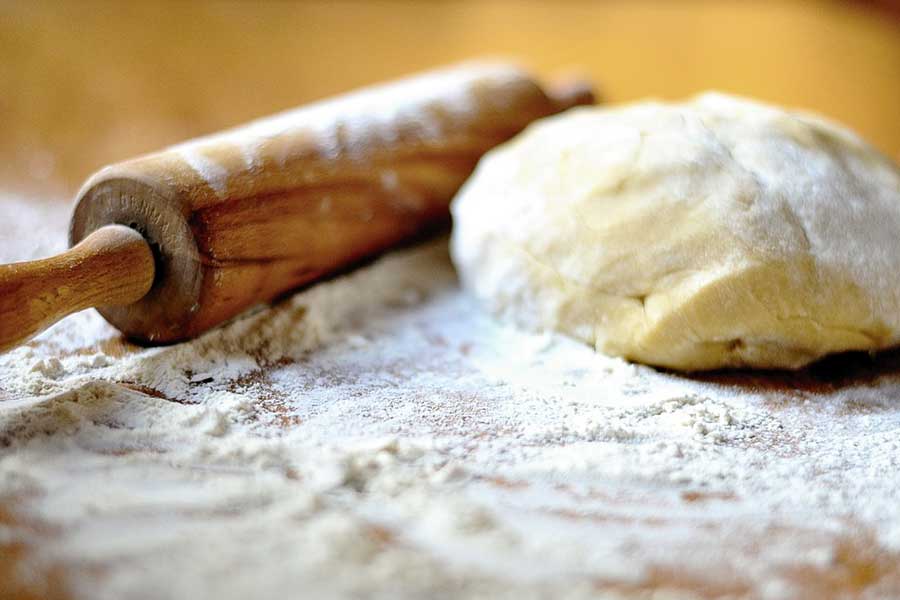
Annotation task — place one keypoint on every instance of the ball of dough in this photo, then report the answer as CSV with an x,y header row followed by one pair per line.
x,y
715,233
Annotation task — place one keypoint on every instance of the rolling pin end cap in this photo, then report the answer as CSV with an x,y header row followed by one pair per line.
x,y
568,91
115,198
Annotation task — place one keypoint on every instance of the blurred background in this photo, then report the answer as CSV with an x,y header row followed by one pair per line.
x,y
84,83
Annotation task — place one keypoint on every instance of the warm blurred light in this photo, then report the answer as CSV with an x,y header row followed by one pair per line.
x,y
85,83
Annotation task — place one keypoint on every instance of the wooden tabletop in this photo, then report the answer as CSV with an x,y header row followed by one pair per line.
x,y
463,455
91,82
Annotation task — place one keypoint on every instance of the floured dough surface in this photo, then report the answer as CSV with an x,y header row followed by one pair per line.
x,y
714,233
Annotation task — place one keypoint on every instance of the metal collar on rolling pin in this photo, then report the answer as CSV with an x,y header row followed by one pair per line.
x,y
171,244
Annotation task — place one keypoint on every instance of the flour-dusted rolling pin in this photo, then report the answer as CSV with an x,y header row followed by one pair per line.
x,y
171,244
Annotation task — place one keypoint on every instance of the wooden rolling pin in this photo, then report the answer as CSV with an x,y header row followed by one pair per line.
x,y
171,244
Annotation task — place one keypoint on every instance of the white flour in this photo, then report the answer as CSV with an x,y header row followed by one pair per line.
x,y
377,436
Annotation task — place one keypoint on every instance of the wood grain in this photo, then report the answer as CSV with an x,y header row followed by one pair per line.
x,y
243,216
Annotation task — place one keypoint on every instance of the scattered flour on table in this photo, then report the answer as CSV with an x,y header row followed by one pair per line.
x,y
376,435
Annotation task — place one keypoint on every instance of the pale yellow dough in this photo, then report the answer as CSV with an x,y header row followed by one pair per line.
x,y
715,233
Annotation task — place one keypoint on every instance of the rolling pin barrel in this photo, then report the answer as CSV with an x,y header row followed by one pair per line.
x,y
243,216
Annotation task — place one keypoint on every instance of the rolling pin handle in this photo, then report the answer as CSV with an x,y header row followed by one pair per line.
x,y
569,91
113,266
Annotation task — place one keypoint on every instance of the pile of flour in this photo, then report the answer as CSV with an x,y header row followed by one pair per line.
x,y
376,435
